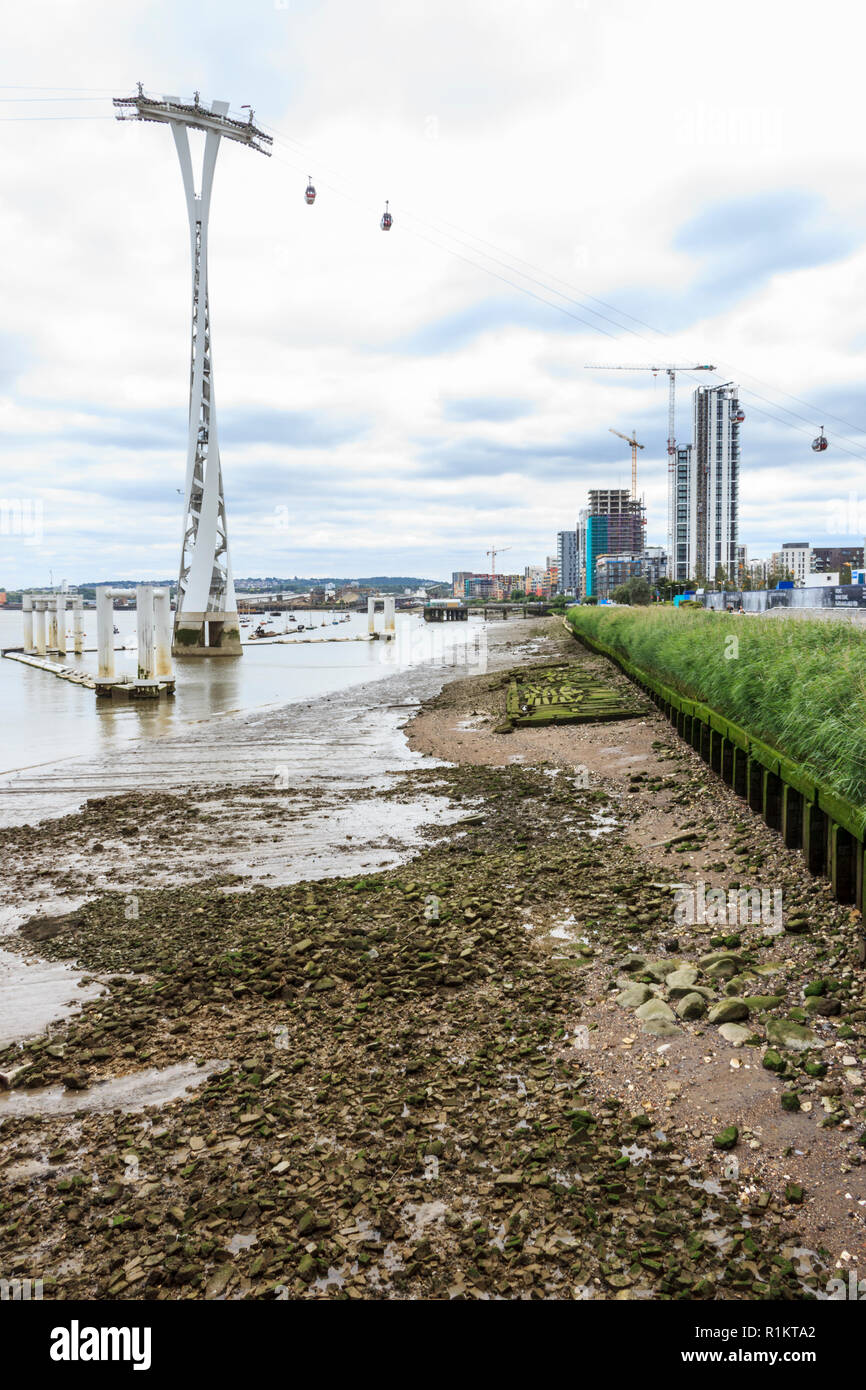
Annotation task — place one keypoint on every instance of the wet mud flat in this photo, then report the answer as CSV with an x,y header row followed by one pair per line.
x,y
262,797
429,1085
775,1041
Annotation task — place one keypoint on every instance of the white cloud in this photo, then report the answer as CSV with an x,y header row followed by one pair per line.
x,y
580,136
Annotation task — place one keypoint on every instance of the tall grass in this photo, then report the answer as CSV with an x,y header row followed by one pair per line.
x,y
799,685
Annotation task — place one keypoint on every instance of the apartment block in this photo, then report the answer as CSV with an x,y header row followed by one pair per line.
x,y
566,559
716,478
612,524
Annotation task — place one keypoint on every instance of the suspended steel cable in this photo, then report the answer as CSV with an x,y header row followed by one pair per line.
x,y
56,118
17,87
505,265
742,376
41,100
521,288
512,263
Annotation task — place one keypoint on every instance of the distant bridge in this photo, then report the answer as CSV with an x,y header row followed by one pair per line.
x,y
509,610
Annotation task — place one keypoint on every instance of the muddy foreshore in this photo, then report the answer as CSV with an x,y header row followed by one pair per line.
x,y
431,1081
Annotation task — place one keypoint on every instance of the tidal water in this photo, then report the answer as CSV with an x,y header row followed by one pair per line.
x,y
323,720
49,721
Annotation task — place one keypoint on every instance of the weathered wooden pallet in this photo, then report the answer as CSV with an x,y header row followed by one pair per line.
x,y
561,695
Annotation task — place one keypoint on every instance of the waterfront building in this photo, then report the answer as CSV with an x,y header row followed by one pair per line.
x,y
833,557
612,524
715,480
796,556
533,580
566,559
480,586
613,570
777,565
509,584
684,557
757,573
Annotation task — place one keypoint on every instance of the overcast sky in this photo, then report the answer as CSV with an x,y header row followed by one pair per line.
x,y
397,403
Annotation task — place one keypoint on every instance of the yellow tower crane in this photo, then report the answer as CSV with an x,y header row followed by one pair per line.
x,y
671,369
634,448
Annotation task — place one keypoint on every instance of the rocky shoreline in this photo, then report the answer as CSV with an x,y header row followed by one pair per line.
x,y
496,1071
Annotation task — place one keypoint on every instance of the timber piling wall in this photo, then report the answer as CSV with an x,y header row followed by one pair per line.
x,y
830,831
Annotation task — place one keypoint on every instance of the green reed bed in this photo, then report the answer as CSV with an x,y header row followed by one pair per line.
x,y
797,684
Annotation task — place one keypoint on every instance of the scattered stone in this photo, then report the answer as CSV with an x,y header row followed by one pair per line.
x,y
659,1028
795,926
655,1008
691,1006
217,1282
633,996
680,981
791,1037
727,1138
389,1066
75,1081
728,1011
773,1062
633,964
824,1007
736,1034
816,1069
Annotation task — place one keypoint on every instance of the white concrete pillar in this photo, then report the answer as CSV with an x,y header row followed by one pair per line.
x,y
51,639
104,633
40,627
27,610
144,624
78,628
162,634
60,624
390,619
371,616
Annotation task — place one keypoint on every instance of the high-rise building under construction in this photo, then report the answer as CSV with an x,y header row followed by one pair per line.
x,y
612,524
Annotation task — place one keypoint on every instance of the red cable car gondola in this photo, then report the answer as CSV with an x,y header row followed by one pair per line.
x,y
740,416
387,219
820,444
310,194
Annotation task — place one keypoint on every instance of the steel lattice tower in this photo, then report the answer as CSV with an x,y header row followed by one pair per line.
x,y
206,620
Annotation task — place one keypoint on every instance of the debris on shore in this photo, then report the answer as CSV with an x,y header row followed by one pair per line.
x,y
503,1070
